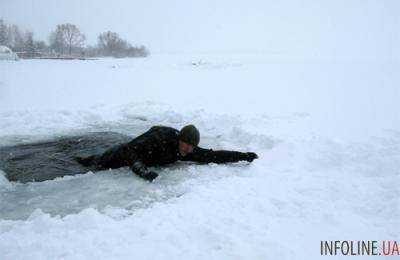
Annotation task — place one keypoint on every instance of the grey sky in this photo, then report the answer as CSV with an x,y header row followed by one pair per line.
x,y
333,27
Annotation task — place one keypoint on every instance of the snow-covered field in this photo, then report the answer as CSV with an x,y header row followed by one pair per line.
x,y
327,133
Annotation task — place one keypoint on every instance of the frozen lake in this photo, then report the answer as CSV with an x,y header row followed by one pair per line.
x,y
327,133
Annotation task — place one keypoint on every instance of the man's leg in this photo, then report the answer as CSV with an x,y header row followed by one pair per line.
x,y
87,161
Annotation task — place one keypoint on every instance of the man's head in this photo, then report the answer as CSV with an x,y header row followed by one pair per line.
x,y
189,137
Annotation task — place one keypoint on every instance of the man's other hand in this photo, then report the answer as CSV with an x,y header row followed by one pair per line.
x,y
251,156
150,176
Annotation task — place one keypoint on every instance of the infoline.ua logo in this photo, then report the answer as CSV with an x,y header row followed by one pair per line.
x,y
370,247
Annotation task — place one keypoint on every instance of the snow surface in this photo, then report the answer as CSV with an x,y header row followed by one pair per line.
x,y
327,133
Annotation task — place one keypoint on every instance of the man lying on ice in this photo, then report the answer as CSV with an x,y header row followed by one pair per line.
x,y
161,145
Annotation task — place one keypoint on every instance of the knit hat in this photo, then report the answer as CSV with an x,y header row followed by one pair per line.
x,y
189,134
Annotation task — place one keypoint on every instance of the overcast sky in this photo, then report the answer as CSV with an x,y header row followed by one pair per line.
x,y
331,27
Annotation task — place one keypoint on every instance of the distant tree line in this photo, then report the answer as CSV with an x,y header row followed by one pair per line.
x,y
67,40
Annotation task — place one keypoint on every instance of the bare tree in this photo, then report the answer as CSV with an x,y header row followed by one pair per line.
x,y
110,43
4,39
73,36
67,37
16,38
41,46
141,51
56,42
29,44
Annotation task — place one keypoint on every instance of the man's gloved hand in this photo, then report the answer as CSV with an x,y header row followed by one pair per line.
x,y
140,169
150,176
250,156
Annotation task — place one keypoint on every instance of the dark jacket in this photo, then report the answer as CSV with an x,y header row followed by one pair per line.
x,y
158,146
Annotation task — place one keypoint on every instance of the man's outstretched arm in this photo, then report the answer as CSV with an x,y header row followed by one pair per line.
x,y
210,156
141,170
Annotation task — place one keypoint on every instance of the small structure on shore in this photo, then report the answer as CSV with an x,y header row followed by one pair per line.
x,y
7,54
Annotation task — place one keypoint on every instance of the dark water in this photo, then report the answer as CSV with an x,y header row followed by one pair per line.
x,y
47,160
